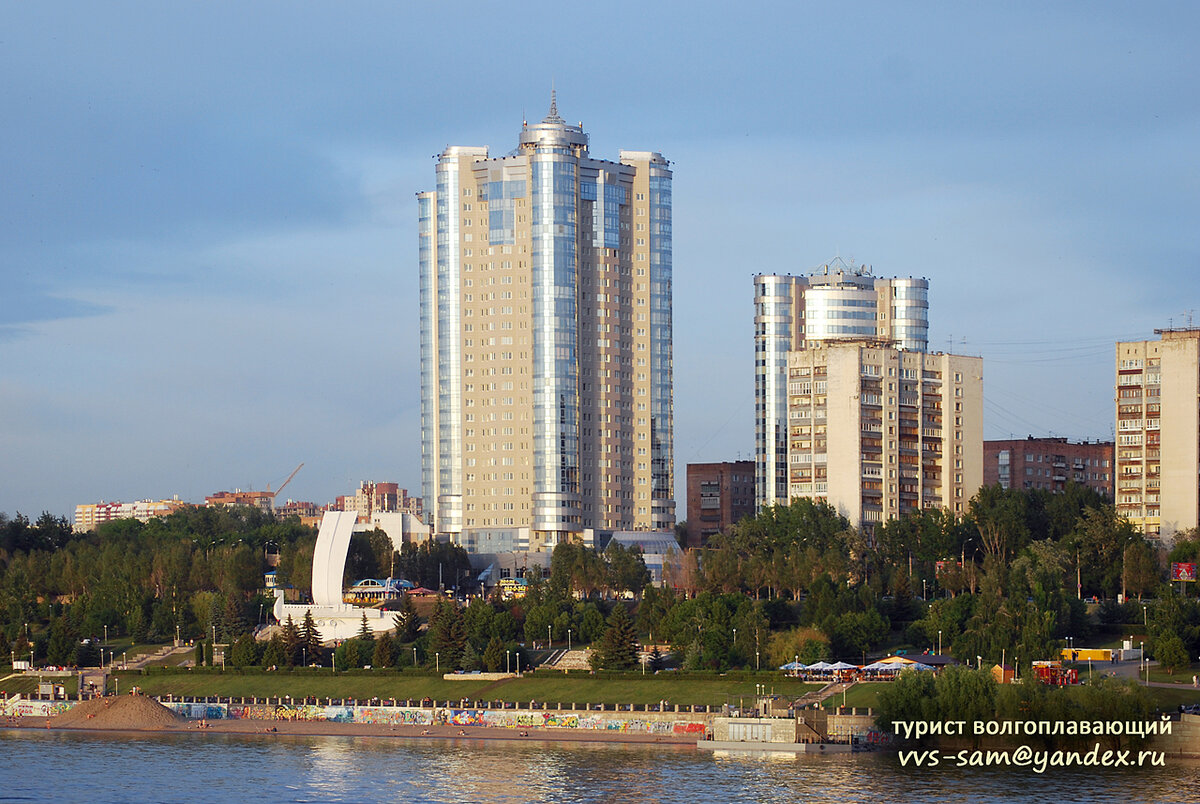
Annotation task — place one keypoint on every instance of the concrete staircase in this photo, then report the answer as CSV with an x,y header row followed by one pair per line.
x,y
570,660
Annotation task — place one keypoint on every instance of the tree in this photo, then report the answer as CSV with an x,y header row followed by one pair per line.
x,y
310,637
62,642
447,635
245,651
292,642
1171,653
618,649
493,657
384,654
364,630
275,654
406,621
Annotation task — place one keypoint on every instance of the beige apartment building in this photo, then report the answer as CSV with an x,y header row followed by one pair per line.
x,y
89,516
1158,431
546,355
878,431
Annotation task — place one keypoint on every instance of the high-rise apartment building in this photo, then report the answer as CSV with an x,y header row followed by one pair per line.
x,y
1048,463
837,302
546,359
878,432
1158,431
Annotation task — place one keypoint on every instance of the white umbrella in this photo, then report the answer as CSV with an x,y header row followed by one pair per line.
x,y
820,666
843,666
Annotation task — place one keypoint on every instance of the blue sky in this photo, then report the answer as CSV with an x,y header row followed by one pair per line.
x,y
207,221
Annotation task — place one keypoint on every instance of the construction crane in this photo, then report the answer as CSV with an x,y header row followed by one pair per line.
x,y
284,483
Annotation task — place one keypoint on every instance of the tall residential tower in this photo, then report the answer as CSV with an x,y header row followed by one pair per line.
x,y
1158,432
546,359
836,303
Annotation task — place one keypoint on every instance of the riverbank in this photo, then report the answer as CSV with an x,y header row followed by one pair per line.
x,y
286,728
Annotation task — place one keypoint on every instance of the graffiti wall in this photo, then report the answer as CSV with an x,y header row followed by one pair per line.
x,y
624,722
23,708
519,719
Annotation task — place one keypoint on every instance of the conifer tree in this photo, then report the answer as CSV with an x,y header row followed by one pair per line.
x,y
291,642
618,649
365,633
275,653
493,656
245,651
385,651
447,635
310,637
407,622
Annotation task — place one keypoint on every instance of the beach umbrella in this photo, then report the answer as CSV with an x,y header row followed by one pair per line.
x,y
843,666
820,667
792,666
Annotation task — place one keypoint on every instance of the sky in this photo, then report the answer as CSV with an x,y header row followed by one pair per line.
x,y
208,248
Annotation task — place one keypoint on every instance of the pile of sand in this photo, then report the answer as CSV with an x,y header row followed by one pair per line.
x,y
118,712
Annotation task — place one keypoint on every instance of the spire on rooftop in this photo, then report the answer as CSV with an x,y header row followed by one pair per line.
x,y
553,117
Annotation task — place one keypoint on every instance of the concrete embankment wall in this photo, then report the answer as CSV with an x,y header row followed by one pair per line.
x,y
657,723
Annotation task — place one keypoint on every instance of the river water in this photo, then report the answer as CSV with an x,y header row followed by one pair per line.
x,y
88,767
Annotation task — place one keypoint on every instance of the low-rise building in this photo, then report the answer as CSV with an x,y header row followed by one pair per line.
x,y
718,496
1048,463
89,516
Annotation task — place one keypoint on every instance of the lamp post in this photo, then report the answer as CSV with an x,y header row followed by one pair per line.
x,y
549,638
106,635
303,654
1142,656
124,659
939,642
414,656
437,662
507,661
568,640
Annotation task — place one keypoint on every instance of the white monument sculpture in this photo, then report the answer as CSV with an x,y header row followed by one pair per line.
x,y
335,619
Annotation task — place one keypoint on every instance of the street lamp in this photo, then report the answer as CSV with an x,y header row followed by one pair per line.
x,y
568,640
437,666
414,656
734,644
549,639
508,661
303,655
106,635
939,642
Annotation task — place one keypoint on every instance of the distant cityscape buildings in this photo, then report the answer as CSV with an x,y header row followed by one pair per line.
x,y
546,346
90,516
546,362
1049,463
1158,431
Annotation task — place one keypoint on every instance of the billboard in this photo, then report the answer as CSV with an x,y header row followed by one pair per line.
x,y
1182,572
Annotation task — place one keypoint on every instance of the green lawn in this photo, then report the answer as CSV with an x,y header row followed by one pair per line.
x,y
863,696
27,685
1157,674
543,688
1169,700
